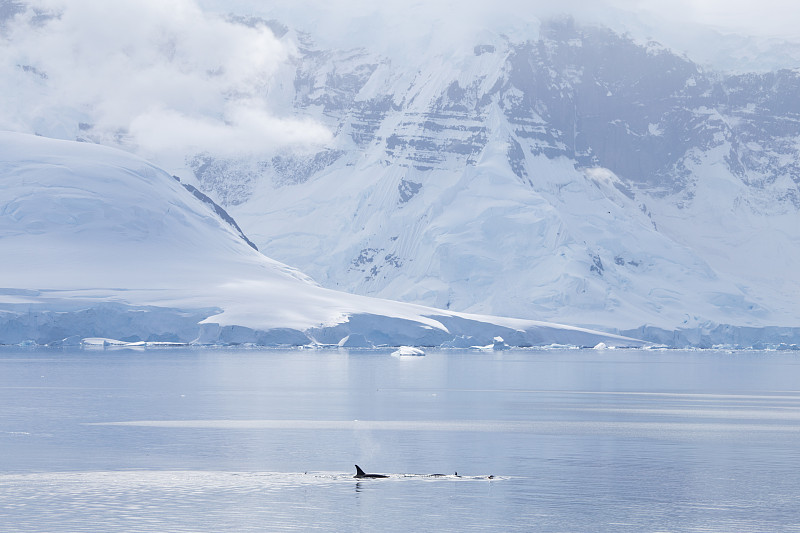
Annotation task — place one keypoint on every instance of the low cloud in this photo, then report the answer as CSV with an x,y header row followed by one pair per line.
x,y
157,76
247,129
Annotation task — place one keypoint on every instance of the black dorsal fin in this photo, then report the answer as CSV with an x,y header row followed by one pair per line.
x,y
359,472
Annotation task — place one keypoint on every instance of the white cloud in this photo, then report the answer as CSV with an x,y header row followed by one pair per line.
x,y
166,75
177,75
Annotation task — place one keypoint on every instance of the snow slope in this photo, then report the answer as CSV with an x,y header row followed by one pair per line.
x,y
577,177
99,243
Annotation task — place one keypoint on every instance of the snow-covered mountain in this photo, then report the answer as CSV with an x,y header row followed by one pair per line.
x,y
554,171
95,242
578,176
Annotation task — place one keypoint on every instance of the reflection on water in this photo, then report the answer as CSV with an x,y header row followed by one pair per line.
x,y
255,440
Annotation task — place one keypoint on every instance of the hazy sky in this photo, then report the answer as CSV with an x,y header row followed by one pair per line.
x,y
763,17
171,77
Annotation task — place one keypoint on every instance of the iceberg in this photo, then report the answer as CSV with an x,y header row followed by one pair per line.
x,y
408,351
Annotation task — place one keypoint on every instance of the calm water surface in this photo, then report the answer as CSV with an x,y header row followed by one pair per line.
x,y
266,440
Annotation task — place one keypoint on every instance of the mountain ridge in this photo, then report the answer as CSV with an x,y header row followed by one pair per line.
x,y
581,136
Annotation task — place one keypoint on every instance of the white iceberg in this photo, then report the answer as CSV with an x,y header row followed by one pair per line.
x,y
405,351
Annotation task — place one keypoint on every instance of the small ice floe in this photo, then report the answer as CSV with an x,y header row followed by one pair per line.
x,y
601,346
406,351
499,344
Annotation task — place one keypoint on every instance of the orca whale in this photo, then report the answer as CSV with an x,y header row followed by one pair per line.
x,y
361,475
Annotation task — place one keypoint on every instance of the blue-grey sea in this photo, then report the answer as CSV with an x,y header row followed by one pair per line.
x,y
240,439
